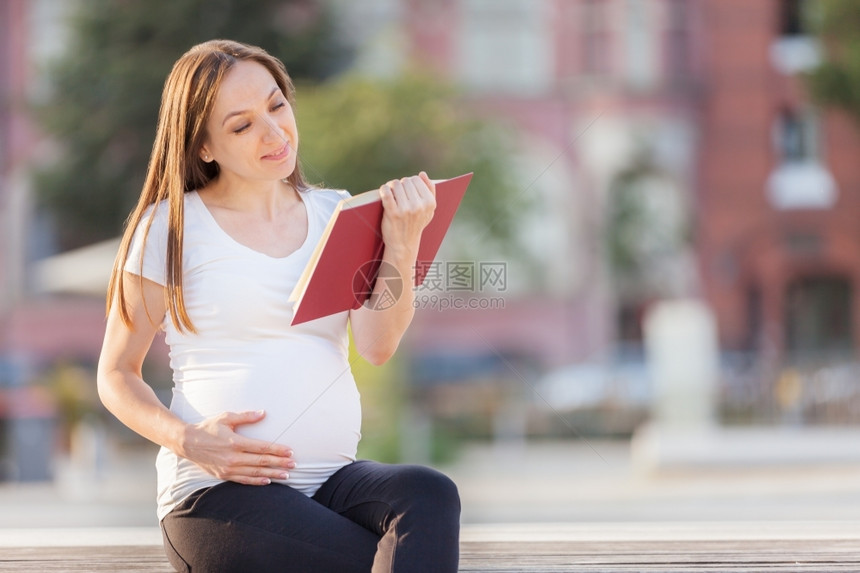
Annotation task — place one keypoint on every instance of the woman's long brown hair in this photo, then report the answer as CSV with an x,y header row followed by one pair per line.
x,y
175,166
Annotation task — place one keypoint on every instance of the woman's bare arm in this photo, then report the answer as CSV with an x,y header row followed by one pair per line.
x,y
213,444
408,205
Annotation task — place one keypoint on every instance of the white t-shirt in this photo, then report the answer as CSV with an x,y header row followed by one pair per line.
x,y
246,356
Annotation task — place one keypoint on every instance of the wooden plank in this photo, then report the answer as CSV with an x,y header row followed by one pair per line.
x,y
839,555
505,554
129,559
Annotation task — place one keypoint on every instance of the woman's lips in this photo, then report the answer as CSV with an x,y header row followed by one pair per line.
x,y
279,154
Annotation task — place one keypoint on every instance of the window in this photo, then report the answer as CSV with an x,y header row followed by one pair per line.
x,y
596,37
799,179
506,45
4,86
794,49
629,319
640,39
678,40
795,17
796,136
755,318
818,316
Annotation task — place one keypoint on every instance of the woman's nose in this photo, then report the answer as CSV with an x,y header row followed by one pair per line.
x,y
272,130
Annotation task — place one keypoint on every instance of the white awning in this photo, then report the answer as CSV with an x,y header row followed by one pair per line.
x,y
79,271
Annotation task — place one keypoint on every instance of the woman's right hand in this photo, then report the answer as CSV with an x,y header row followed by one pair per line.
x,y
214,445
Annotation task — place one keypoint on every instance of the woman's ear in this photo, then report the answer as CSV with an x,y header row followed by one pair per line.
x,y
205,155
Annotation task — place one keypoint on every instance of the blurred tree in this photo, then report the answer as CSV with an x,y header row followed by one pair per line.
x,y
836,81
105,92
358,133
647,238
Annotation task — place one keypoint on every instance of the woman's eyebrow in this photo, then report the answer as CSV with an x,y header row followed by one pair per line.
x,y
240,112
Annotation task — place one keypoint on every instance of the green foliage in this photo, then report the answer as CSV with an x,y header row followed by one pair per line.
x,y
357,133
645,230
105,92
836,81
383,397
71,389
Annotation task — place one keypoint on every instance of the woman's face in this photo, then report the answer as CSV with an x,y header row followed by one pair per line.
x,y
252,131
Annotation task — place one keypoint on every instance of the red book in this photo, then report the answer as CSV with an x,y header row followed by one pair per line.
x,y
344,266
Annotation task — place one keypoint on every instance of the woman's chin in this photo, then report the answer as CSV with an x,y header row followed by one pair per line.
x,y
286,171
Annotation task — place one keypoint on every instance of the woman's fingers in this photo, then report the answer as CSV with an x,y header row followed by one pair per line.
x,y
216,447
255,473
276,452
279,463
261,447
261,454
233,419
240,462
419,190
402,195
428,182
245,467
412,194
246,478
408,205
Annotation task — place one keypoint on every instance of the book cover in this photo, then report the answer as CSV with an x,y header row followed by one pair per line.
x,y
343,268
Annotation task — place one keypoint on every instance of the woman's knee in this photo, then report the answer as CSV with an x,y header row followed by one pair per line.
x,y
428,486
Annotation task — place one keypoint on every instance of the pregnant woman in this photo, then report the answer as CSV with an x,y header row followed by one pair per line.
x,y
257,469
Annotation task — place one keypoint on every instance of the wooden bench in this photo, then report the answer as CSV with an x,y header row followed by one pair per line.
x,y
666,547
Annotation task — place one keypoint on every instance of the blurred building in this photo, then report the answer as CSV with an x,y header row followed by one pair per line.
x,y
778,190
607,98
26,416
15,142
673,152
33,329
668,144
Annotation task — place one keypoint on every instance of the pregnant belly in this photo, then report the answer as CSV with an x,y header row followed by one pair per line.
x,y
318,417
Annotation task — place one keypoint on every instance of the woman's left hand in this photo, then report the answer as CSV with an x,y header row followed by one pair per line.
x,y
408,205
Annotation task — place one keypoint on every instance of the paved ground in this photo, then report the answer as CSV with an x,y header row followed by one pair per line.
x,y
571,482
577,483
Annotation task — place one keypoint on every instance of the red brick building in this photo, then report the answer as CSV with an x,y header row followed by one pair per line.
x,y
15,142
708,92
778,190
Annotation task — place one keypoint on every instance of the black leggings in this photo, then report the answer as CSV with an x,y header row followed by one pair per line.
x,y
367,517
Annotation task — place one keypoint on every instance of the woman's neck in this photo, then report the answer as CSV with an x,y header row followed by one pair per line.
x,y
266,198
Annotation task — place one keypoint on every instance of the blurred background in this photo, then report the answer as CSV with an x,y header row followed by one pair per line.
x,y
647,306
